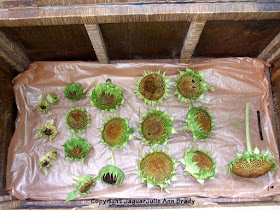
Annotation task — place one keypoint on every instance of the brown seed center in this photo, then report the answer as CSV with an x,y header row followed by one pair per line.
x,y
113,132
189,87
72,94
48,132
153,128
152,87
108,178
76,151
43,107
204,120
202,160
86,187
107,100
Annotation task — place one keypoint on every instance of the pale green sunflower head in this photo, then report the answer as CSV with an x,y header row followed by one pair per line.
x,y
74,92
48,131
111,175
52,99
43,106
77,119
46,161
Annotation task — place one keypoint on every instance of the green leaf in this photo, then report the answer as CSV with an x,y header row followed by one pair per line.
x,y
237,123
71,196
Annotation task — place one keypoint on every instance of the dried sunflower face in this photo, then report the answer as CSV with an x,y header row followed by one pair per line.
x,y
190,86
111,175
43,106
199,164
76,148
52,99
107,96
156,127
48,131
153,87
199,122
77,119
84,186
74,92
157,169
46,161
116,132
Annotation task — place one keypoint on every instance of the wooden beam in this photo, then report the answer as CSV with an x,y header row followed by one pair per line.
x,y
120,13
191,40
97,42
271,48
274,57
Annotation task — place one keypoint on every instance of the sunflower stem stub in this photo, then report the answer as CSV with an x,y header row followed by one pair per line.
x,y
248,140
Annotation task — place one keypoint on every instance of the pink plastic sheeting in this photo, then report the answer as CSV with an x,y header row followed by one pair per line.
x,y
236,82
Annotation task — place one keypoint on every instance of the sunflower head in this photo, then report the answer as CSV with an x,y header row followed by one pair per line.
x,y
46,161
106,96
190,85
116,132
252,165
199,122
52,99
83,186
48,131
156,127
153,87
43,106
76,148
111,175
199,164
74,92
77,119
157,169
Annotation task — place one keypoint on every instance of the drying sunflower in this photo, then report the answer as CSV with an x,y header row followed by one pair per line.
x,y
199,164
46,161
76,148
199,122
111,175
156,127
48,131
190,85
153,87
43,106
74,92
157,168
77,119
251,164
52,99
106,96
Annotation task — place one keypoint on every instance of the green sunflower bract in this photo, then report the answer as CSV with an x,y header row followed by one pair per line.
x,y
74,92
83,186
48,131
157,168
199,122
190,85
199,164
156,127
77,119
43,106
106,96
251,164
111,175
76,148
153,87
52,99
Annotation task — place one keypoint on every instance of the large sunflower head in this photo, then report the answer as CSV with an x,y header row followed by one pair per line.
x,y
157,168
74,92
46,161
52,99
111,175
43,106
76,148
48,131
83,186
199,122
156,127
190,85
106,96
199,164
153,87
77,119
116,132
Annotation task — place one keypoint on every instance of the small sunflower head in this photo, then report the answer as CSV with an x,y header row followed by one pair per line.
x,y
74,92
83,186
76,148
111,175
77,119
252,165
46,161
43,106
52,99
157,169
156,127
190,86
106,96
116,132
153,87
199,164
48,131
199,122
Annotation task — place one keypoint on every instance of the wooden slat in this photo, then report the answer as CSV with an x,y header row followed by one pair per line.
x,y
271,48
97,42
191,40
12,204
274,57
92,14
